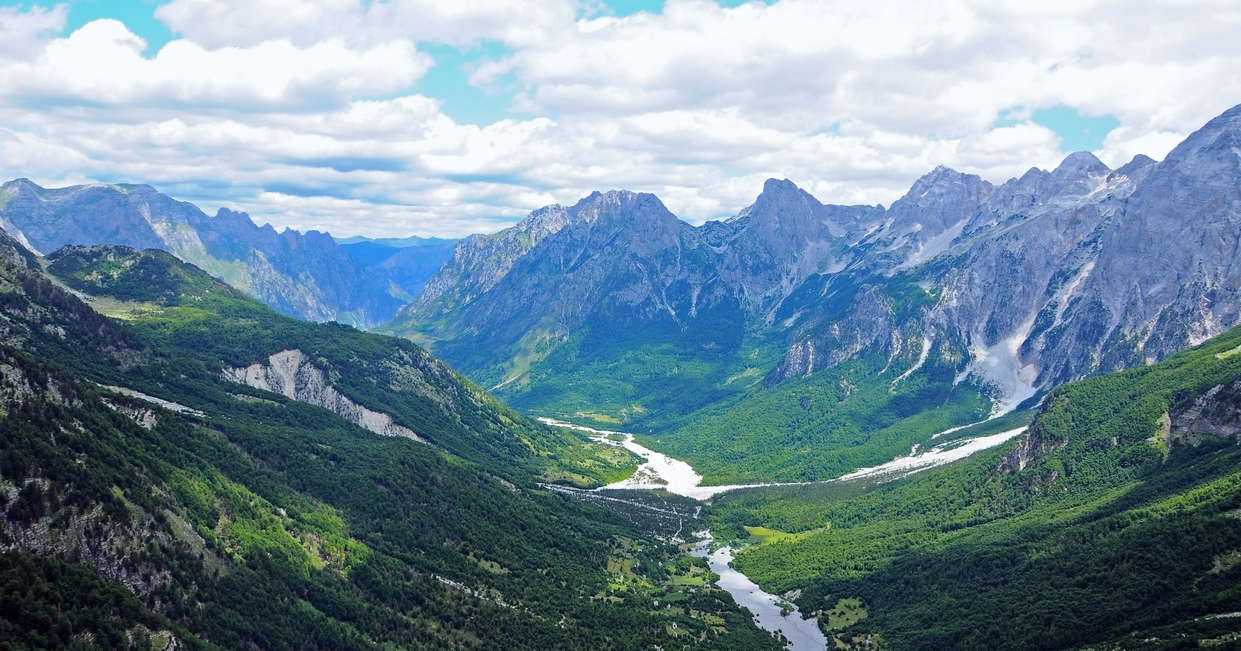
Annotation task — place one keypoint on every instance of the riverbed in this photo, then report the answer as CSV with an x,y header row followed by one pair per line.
x,y
771,613
660,471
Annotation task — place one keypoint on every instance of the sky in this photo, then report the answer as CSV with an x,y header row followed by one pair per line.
x,y
450,117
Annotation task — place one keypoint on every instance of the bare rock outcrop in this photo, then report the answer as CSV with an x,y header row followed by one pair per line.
x,y
291,374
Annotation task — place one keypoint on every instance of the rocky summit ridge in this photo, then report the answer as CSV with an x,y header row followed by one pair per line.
x,y
1047,277
305,274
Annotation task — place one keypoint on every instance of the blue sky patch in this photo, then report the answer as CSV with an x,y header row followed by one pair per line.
x,y
630,7
449,82
1077,132
138,16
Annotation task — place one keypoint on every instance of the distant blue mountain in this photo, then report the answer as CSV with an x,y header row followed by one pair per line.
x,y
308,275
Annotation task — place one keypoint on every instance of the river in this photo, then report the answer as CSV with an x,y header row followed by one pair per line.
x,y
660,471
769,610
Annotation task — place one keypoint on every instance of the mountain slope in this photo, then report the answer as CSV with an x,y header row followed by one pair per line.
x,y
617,303
1113,520
960,292
387,385
303,274
623,264
249,519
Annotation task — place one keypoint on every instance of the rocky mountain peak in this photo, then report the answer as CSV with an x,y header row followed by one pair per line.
x,y
1027,187
1080,163
1133,168
550,219
139,189
942,183
1079,173
541,223
780,187
480,262
938,200
1032,177
781,204
778,191
1229,120
224,215
19,184
622,206
612,199
1212,150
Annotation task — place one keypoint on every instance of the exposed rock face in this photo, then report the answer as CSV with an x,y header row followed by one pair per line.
x,y
1045,278
785,237
291,374
753,260
143,417
479,262
619,259
302,274
622,265
1216,413
113,549
1028,449
1058,275
935,210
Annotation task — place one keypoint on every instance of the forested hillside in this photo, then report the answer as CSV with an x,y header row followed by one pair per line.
x,y
190,505
1114,520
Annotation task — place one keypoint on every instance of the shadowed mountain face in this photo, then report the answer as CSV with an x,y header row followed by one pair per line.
x,y
1044,278
308,275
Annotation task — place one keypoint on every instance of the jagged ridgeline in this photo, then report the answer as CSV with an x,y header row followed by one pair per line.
x,y
1116,521
799,340
309,275
197,469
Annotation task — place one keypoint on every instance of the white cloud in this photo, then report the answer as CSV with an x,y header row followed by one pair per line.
x,y
102,62
1122,144
943,69
218,23
23,33
305,114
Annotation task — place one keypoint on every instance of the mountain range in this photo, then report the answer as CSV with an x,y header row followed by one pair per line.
x,y
309,275
184,466
614,309
810,323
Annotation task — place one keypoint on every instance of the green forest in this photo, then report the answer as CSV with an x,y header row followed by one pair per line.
x,y
238,518
1113,521
1105,525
